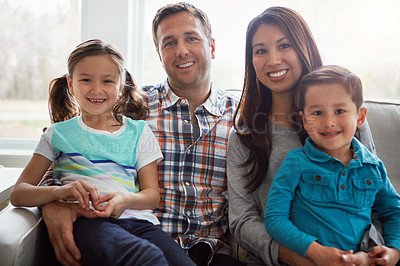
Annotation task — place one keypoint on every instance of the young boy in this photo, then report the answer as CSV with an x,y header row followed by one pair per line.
x,y
319,204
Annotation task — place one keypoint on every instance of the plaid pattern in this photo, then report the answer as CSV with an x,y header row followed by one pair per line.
x,y
192,176
48,179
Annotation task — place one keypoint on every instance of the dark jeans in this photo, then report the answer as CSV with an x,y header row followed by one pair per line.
x,y
107,241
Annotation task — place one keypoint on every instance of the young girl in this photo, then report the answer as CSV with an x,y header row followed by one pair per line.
x,y
323,193
103,160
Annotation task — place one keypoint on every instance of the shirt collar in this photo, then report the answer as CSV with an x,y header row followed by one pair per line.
x,y
169,97
212,103
361,154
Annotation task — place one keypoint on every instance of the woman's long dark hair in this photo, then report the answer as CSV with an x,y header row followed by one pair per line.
x,y
62,105
251,116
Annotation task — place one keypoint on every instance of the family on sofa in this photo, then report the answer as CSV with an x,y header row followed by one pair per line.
x,y
214,148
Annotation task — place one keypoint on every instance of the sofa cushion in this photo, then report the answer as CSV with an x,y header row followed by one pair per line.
x,y
384,120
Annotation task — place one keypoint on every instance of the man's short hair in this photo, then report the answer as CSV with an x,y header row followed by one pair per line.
x,y
171,9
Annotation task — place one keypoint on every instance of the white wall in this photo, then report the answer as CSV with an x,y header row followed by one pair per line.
x,y
119,23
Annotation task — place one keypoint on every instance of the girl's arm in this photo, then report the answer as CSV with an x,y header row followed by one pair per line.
x,y
149,195
147,198
27,193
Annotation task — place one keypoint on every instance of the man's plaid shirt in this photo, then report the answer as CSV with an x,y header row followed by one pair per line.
x,y
192,176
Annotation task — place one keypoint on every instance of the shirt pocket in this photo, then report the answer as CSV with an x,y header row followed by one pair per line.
x,y
316,186
365,189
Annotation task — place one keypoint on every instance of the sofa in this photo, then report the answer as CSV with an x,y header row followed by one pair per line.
x,y
23,236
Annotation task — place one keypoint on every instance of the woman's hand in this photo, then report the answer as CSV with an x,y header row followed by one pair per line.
x,y
81,191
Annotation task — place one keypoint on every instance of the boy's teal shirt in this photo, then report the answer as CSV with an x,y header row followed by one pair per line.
x,y
314,197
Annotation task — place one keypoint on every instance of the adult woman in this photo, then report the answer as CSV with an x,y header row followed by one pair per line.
x,y
280,49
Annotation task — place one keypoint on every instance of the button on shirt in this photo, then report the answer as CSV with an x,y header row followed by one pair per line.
x,y
329,202
192,176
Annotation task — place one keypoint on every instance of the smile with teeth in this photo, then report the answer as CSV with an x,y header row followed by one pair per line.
x,y
277,74
188,64
97,100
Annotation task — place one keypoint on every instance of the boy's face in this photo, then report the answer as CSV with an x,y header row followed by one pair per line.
x,y
331,118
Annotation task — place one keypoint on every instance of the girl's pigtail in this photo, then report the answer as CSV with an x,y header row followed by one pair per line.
x,y
62,105
132,103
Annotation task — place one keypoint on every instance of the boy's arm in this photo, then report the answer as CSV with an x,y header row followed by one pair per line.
x,y
322,255
387,203
277,210
289,257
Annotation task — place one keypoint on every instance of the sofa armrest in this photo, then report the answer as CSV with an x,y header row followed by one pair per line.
x,y
24,238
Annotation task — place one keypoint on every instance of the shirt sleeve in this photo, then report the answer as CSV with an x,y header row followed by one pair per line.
x,y
387,203
245,221
45,149
277,210
44,146
148,149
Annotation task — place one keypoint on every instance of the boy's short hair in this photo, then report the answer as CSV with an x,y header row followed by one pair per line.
x,y
172,9
331,74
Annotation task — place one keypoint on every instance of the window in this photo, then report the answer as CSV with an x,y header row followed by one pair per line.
x,y
358,34
35,41
37,37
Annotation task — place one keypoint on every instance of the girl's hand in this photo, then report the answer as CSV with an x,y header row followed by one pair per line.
x,y
81,191
116,204
382,255
147,198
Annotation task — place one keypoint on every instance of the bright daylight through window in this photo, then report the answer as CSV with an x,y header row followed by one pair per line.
x,y
35,40
37,36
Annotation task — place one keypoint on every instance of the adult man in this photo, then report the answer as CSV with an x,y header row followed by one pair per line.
x,y
191,121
